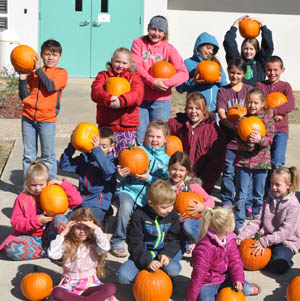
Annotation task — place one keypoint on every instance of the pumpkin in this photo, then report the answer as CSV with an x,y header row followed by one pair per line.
x,y
162,69
54,200
249,124
152,286
209,71
293,290
135,158
275,99
173,145
117,86
36,286
236,112
21,58
249,29
184,199
228,294
82,136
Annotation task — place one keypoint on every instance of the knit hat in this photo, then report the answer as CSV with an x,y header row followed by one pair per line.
x,y
158,23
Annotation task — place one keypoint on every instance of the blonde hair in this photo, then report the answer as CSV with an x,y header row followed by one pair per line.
x,y
158,124
161,192
127,52
36,169
259,92
71,242
290,176
215,220
199,100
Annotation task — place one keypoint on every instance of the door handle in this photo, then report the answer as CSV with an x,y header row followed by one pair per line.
x,y
84,23
96,23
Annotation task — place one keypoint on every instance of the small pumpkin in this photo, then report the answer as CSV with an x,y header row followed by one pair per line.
x,y
275,99
185,199
293,290
82,136
152,286
22,58
117,86
249,29
135,158
36,286
249,124
54,200
162,69
227,293
209,71
236,112
173,145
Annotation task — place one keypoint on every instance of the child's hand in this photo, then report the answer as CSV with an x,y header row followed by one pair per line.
x,y
154,265
68,227
37,61
95,141
278,118
255,137
183,217
55,181
198,207
260,22
258,248
238,241
238,286
143,177
164,260
123,172
220,78
115,102
196,79
89,224
23,76
44,219
237,21
159,84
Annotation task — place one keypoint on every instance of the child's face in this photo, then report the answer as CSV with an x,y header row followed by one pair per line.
x,y
50,58
155,138
194,113
105,145
155,35
206,50
177,173
36,185
82,231
274,71
248,51
235,75
120,63
162,209
279,187
254,104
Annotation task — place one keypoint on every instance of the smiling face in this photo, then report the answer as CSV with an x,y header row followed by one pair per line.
x,y
36,185
274,71
121,62
194,113
248,51
235,75
155,35
206,51
177,173
155,138
279,186
254,104
50,58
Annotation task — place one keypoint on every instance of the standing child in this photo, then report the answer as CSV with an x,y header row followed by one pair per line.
x,y
41,92
33,229
253,159
216,259
81,246
132,190
147,50
278,221
96,171
121,114
255,58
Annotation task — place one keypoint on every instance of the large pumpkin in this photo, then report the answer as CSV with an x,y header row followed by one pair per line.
x,y
209,71
54,200
162,69
135,158
249,29
249,124
173,145
228,294
293,290
21,58
152,286
236,112
185,199
36,286
117,86
275,99
82,136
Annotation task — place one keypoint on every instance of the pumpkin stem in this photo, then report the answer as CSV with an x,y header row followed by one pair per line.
x,y
256,236
131,146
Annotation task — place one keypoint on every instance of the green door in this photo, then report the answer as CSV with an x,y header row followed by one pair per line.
x,y
89,30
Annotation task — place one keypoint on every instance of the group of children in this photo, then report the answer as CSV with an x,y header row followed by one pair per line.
x,y
155,234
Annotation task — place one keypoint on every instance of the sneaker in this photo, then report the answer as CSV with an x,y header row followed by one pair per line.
x,y
249,214
119,252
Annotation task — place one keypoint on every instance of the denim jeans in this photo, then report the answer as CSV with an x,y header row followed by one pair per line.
x,y
191,229
46,131
151,110
244,176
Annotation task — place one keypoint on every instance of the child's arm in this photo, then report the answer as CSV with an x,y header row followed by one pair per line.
x,y
66,162
208,200
289,106
24,89
55,250
270,129
73,194
98,93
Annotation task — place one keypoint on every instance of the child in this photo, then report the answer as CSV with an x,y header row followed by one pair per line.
x,y
41,92
152,235
147,50
121,114
206,47
33,229
96,171
132,191
81,246
255,58
278,221
180,171
252,160
216,259
202,140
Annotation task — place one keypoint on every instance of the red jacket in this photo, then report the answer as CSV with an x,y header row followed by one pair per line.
x,y
127,117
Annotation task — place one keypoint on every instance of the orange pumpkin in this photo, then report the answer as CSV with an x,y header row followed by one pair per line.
x,y
36,286
249,29
21,58
135,158
173,145
209,71
249,124
162,69
82,136
152,286
54,200
275,99
117,86
293,290
185,199
227,293
236,112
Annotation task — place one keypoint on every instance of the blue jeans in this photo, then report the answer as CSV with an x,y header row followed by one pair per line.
x,y
46,131
151,110
191,229
244,176
128,270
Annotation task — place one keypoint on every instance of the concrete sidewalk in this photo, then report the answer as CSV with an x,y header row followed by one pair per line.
x,y
76,107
